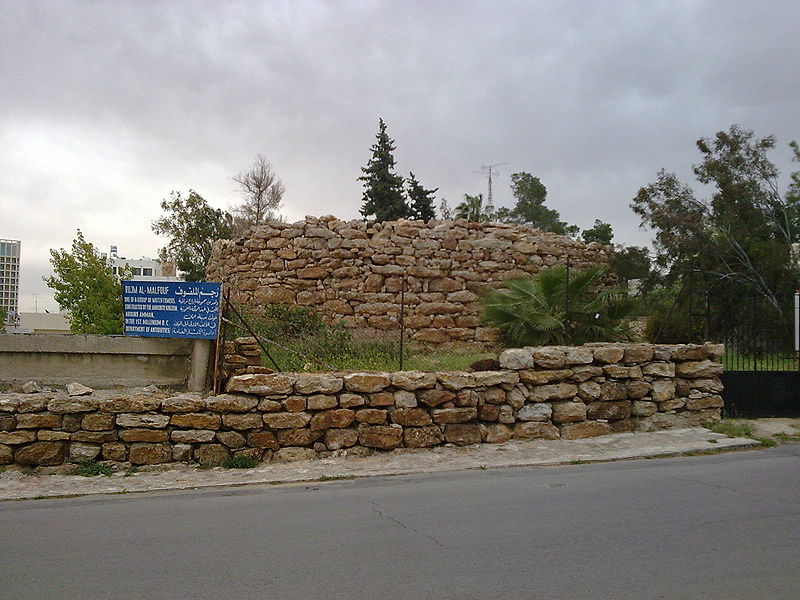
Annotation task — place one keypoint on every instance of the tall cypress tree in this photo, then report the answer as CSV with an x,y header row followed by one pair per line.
x,y
383,188
420,200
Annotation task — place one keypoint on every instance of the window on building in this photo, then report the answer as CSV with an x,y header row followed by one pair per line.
x,y
137,270
148,272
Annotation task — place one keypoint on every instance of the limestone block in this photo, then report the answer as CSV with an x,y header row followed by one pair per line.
x,y
353,400
435,397
261,383
149,454
192,436
540,411
117,451
555,391
490,378
69,404
79,451
243,421
10,403
549,358
78,389
542,377
670,405
454,415
413,380
462,434
373,416
404,399
183,403
8,422
40,454
663,389
230,403
336,439
6,454
413,417
488,412
574,431
695,369
568,412
492,396
381,399
516,398
144,435
589,390
298,437
262,439
45,435
638,389
689,352
506,414
456,380
711,386
142,420
623,372
286,420
643,408
36,403
137,403
318,383
196,420
531,430
610,411
366,382
637,353
496,433
384,437
331,419
321,402
659,369
98,422
713,401
608,354
579,356
422,437
516,359
581,373
94,437
38,421
212,455
613,390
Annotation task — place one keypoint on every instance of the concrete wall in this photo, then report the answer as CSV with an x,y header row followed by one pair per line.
x,y
94,360
550,392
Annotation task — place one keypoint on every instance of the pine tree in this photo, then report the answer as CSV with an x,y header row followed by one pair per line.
x,y
420,200
383,188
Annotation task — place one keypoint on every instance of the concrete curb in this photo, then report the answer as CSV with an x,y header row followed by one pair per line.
x,y
15,485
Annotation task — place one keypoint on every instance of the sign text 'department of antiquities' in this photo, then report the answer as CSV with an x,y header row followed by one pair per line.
x,y
176,309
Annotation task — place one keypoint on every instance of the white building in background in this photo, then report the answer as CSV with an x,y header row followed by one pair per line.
x,y
9,279
144,268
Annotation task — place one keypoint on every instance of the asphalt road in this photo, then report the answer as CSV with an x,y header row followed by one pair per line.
x,y
712,527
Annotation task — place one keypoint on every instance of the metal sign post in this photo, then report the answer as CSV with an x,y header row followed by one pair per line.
x,y
797,327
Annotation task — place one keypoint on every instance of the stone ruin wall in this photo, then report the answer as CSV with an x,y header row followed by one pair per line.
x,y
353,271
533,393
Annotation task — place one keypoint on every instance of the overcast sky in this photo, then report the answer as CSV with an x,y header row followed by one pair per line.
x,y
105,107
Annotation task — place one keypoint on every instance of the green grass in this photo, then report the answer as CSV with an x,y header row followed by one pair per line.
x,y
732,428
239,462
785,437
334,477
91,468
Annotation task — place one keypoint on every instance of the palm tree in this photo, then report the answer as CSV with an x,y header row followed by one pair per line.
x,y
472,209
558,307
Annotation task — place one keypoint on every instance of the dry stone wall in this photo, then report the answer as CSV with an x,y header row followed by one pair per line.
x,y
353,271
547,392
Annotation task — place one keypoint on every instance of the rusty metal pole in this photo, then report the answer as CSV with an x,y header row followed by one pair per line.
x,y
402,316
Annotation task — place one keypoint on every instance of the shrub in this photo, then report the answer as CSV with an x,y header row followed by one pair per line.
x,y
239,461
91,468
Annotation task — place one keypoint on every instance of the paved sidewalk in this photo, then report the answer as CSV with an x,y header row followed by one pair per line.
x,y
16,485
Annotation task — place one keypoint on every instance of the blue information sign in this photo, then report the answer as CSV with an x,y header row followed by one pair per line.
x,y
176,309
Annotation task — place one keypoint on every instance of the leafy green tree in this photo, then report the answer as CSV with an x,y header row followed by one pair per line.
x,y
420,200
192,226
383,189
558,307
3,318
735,244
445,211
86,288
630,262
530,194
472,209
601,232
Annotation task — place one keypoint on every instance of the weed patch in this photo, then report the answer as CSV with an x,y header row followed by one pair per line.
x,y
239,462
731,427
91,468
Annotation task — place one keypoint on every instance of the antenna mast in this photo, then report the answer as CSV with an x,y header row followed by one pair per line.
x,y
490,170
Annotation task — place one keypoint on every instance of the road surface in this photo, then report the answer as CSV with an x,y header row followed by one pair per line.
x,y
718,527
